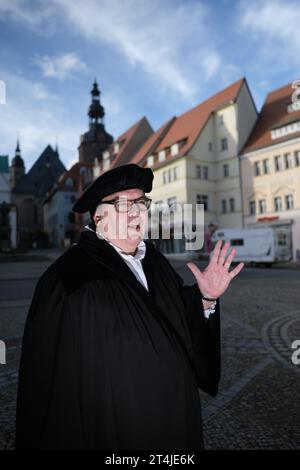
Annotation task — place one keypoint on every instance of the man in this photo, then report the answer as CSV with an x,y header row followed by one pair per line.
x,y
115,347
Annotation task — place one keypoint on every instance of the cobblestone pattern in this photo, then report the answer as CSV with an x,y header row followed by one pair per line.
x,y
256,407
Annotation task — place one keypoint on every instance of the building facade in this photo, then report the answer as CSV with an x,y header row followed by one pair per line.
x,y
195,159
270,169
61,224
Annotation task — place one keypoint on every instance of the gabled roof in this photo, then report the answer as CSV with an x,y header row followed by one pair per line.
x,y
80,173
186,128
274,114
42,175
152,142
129,142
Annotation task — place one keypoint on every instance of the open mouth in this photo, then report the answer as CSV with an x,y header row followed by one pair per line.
x,y
136,227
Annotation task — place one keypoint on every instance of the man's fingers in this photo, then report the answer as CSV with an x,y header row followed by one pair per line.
x,y
223,253
230,258
236,270
216,251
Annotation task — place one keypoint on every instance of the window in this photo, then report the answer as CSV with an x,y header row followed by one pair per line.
x,y
157,206
205,172
289,202
287,161
266,166
198,171
221,119
150,160
282,239
224,206
225,170
278,165
231,204
69,183
161,155
237,242
252,207
210,146
297,158
285,130
262,206
174,150
170,175
277,204
257,168
203,199
116,147
224,144
172,201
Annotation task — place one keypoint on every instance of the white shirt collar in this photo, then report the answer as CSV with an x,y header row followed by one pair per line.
x,y
139,255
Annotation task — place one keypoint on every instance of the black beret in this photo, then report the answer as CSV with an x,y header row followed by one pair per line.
x,y
123,177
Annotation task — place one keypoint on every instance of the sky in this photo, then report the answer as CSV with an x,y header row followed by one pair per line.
x,y
153,58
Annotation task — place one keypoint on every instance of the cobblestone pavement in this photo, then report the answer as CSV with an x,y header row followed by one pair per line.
x,y
258,403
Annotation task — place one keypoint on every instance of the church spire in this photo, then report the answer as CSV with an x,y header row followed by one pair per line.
x,y
96,110
17,166
96,140
18,151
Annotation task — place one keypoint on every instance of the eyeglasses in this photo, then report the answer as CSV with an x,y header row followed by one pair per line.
x,y
123,205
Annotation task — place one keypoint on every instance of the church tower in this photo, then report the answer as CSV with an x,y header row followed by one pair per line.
x,y
17,169
96,140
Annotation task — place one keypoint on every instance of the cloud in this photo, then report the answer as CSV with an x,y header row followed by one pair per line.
x,y
273,26
60,67
32,16
151,35
170,41
39,117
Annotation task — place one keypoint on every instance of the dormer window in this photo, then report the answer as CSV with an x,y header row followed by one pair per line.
x,y
285,130
69,183
161,155
293,106
174,149
150,160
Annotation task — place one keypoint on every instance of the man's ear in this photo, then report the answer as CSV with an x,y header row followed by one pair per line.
x,y
96,218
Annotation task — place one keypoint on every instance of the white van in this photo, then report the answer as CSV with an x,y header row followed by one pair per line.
x,y
258,245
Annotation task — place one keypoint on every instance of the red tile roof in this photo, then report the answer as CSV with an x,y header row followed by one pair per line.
x,y
126,141
75,174
274,114
186,128
152,142
80,181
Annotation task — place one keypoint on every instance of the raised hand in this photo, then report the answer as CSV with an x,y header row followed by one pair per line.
x,y
215,278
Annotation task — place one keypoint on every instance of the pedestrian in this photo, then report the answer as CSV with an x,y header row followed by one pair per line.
x,y
115,346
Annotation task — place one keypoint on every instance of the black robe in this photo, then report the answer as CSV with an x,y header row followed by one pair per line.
x,y
108,365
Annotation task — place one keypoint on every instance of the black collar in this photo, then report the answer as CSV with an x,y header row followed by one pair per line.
x,y
105,255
